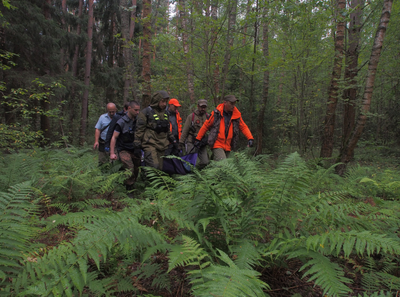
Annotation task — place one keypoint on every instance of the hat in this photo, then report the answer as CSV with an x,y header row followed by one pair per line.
x,y
164,94
230,98
202,102
175,102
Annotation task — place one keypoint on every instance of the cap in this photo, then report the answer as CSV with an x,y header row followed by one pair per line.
x,y
230,98
175,102
202,102
164,94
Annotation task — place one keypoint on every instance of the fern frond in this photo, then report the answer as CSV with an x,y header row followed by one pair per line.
x,y
227,280
15,230
324,273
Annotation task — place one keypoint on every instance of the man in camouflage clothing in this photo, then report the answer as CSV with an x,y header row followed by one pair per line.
x,y
153,133
193,123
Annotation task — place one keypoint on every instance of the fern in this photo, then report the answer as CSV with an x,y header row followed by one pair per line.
x,y
16,207
66,267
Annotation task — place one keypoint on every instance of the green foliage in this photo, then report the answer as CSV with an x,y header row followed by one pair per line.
x,y
221,226
16,208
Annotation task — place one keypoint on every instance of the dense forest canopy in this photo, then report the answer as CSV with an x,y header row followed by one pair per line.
x,y
299,68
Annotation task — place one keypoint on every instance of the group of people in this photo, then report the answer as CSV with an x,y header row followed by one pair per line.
x,y
157,131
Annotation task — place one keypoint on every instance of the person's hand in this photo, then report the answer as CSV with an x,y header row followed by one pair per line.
x,y
137,152
197,143
250,143
96,145
176,145
137,145
113,157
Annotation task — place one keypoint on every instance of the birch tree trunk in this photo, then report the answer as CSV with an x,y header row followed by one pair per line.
x,y
146,70
369,87
329,128
85,98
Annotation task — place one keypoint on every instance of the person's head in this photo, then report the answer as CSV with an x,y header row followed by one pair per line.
x,y
173,105
202,106
111,109
126,105
133,109
159,100
229,103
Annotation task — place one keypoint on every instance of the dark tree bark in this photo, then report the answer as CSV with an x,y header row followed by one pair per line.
x,y
85,98
352,53
110,91
146,70
369,87
261,113
45,103
329,124
75,72
213,59
232,4
129,76
253,63
189,66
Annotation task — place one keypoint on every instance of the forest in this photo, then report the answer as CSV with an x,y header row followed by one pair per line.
x,y
312,209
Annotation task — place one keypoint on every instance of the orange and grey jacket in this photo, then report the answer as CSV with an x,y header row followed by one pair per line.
x,y
216,124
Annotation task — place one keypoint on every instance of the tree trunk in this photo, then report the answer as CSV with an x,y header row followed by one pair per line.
x,y
214,55
329,129
369,87
189,65
132,20
75,73
352,53
45,103
253,63
129,76
85,98
146,70
232,4
261,113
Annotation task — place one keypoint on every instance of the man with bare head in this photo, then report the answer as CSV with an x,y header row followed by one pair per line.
x,y
101,132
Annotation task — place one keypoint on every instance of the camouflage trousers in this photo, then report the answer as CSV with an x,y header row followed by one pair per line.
x,y
202,155
220,154
103,158
153,157
129,161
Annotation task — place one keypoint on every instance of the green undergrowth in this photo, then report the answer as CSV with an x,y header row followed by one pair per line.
x,y
214,232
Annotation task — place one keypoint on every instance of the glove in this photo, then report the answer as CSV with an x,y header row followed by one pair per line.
x,y
197,143
181,146
137,152
250,143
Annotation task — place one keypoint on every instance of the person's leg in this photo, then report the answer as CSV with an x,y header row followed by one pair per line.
x,y
202,157
103,158
127,163
151,157
219,154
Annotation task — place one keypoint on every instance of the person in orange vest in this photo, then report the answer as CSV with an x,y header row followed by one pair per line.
x,y
224,124
175,123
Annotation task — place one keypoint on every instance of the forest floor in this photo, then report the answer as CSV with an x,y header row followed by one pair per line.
x,y
283,280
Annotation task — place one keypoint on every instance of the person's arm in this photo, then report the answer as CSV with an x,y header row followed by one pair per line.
x,y
113,156
245,130
96,139
186,128
179,121
206,126
111,128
